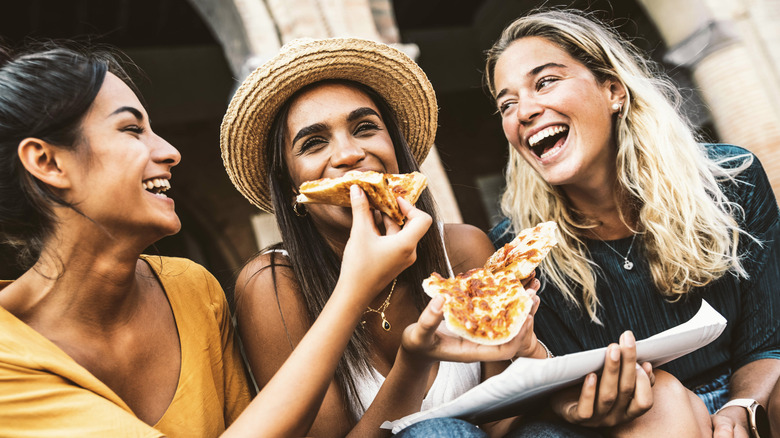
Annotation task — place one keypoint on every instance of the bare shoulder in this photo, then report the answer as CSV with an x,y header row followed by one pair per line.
x,y
270,312
467,246
265,277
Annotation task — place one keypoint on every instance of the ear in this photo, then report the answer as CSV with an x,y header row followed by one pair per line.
x,y
44,161
616,92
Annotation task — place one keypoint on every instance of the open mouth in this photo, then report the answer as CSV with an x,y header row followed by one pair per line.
x,y
548,140
158,186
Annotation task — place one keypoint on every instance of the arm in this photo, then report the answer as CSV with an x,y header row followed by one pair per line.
x,y
756,341
290,398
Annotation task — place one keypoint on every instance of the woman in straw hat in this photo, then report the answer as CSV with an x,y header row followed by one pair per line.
x,y
653,222
99,340
318,109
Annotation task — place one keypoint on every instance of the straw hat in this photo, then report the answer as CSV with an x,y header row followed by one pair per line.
x,y
388,71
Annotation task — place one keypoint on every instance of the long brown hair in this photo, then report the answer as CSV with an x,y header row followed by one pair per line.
x,y
314,263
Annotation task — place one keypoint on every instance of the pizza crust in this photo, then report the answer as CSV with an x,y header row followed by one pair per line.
x,y
380,188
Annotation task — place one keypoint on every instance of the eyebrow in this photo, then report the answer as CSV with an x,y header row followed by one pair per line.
x,y
307,130
361,112
318,127
535,71
130,110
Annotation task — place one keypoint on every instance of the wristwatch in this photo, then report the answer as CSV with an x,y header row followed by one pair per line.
x,y
758,421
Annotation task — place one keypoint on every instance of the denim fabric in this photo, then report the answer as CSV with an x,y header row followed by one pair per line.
x,y
714,394
451,427
552,429
442,428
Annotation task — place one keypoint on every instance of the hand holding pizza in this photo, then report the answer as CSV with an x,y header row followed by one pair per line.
x,y
423,342
623,393
371,258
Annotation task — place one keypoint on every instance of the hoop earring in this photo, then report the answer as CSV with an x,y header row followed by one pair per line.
x,y
297,209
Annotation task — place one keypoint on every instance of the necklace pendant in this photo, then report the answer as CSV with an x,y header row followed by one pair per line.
x,y
627,265
385,325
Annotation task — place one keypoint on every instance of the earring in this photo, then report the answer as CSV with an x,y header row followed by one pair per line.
x,y
617,106
297,209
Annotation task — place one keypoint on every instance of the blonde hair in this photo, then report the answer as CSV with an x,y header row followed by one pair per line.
x,y
665,178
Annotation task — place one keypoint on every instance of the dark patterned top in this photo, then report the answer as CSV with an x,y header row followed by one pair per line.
x,y
629,300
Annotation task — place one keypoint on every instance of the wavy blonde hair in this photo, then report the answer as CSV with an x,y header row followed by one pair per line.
x,y
665,178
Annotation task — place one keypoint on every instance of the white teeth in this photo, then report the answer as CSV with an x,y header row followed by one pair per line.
x,y
539,136
159,183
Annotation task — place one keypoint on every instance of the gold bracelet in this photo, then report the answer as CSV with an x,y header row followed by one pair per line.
x,y
549,353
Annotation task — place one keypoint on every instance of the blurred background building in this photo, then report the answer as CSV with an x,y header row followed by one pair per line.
x,y
724,54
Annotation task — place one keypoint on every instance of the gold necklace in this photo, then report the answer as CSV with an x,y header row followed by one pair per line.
x,y
381,309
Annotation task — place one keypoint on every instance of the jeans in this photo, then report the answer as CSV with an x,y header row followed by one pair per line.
x,y
442,428
714,394
452,427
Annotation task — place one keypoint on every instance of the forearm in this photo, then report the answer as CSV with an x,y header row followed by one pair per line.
x,y
289,402
753,381
401,394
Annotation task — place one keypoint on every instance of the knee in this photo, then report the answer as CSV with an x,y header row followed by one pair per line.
x,y
667,387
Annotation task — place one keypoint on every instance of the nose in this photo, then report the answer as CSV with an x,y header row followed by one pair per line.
x,y
528,109
164,152
346,152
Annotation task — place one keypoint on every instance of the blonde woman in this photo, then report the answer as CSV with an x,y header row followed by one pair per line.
x,y
652,222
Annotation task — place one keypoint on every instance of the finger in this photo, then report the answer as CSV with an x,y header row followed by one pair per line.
x,y
610,375
628,367
361,211
417,222
722,429
430,318
535,306
391,226
642,399
586,403
648,368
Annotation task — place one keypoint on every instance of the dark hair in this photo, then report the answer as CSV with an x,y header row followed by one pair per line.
x,y
45,91
315,264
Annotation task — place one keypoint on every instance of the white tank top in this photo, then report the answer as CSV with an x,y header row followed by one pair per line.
x,y
452,378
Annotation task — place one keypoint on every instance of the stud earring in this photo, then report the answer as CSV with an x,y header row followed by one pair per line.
x,y
617,106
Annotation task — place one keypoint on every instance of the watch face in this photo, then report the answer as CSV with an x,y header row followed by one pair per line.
x,y
759,420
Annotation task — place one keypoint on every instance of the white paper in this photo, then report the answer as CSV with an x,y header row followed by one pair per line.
x,y
526,379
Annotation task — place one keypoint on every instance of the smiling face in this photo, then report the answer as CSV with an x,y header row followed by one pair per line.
x,y
556,114
121,169
331,129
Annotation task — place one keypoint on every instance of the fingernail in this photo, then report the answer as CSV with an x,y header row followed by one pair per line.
x,y
629,339
437,302
591,379
354,191
614,353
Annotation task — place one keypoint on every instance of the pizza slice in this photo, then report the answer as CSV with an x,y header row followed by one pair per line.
x,y
381,190
524,253
489,305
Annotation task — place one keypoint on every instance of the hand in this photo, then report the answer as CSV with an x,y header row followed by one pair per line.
x,y
623,393
528,345
372,259
421,341
730,426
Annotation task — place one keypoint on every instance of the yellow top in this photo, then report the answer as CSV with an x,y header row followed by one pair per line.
x,y
45,393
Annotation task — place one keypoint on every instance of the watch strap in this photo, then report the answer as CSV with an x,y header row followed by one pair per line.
x,y
756,415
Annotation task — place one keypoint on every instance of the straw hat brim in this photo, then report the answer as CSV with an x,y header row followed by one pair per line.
x,y
388,71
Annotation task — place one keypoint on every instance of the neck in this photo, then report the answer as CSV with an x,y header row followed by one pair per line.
x,y
81,278
601,204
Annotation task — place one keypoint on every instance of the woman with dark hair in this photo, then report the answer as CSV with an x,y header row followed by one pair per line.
x,y
97,339
653,222
321,108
